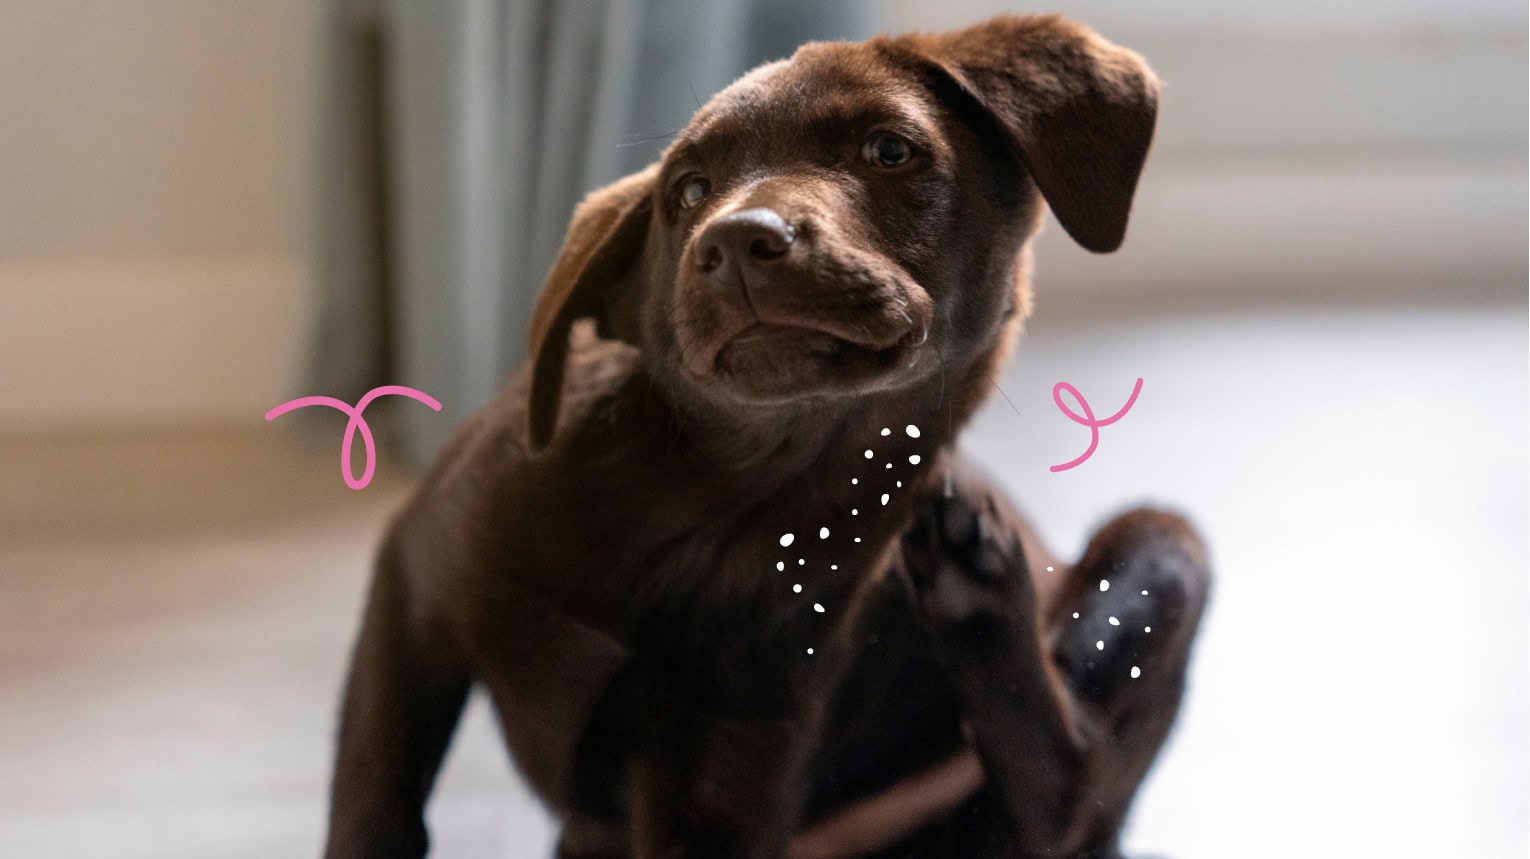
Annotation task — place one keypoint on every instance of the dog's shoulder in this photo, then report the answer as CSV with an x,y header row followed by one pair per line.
x,y
488,483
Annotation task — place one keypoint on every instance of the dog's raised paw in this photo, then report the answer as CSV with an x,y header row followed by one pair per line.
x,y
965,561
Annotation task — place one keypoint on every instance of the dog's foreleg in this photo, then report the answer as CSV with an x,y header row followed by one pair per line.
x,y
401,705
718,789
1066,712
965,559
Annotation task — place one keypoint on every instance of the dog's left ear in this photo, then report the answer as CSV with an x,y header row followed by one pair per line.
x,y
605,239
1080,109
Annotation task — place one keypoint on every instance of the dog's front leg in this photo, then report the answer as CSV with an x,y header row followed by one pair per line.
x,y
965,559
705,786
405,693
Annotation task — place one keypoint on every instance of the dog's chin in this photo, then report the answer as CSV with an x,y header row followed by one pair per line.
x,y
768,363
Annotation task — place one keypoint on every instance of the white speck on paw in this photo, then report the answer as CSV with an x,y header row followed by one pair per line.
x,y
854,481
913,459
857,539
1144,593
889,465
913,431
780,566
786,539
1104,585
1136,672
801,561
1049,569
1099,645
854,512
869,454
818,607
796,589
900,484
823,533
886,431
1147,629
810,651
1114,622
885,496
1075,615
834,566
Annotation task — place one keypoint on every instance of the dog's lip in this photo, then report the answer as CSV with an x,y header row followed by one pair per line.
x,y
771,329
803,338
824,344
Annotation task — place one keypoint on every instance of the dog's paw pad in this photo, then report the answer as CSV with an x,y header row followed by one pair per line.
x,y
963,559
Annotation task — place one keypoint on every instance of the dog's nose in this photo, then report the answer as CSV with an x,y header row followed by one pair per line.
x,y
734,249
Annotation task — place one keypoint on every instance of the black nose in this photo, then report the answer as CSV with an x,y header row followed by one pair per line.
x,y
736,249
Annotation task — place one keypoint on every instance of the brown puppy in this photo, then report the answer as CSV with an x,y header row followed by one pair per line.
x,y
837,244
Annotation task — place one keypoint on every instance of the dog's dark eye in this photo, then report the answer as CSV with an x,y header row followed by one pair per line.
x,y
693,191
886,150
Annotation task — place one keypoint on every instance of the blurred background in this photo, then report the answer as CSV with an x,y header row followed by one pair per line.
x,y
210,207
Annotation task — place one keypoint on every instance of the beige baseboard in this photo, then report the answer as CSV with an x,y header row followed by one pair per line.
x,y
86,342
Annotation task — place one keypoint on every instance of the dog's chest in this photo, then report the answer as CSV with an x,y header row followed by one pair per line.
x,y
744,618
893,712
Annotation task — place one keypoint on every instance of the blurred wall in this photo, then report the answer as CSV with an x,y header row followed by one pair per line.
x,y
154,208
1366,151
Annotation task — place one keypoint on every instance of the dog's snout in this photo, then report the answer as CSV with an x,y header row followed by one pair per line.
x,y
734,247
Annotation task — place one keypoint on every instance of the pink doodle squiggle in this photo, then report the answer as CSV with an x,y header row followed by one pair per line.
x,y
1087,418
355,424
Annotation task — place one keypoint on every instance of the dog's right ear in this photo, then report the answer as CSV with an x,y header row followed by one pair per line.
x,y
605,239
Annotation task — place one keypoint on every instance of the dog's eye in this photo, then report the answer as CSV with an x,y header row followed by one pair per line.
x,y
693,191
886,150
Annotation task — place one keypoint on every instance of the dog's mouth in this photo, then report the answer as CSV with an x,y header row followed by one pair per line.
x,y
774,361
818,342
770,335
840,324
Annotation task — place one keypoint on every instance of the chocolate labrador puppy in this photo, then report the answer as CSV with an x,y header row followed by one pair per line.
x,y
712,555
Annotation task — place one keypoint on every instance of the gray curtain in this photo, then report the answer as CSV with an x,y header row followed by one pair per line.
x,y
458,135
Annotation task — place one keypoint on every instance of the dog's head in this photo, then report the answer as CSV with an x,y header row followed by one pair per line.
x,y
853,219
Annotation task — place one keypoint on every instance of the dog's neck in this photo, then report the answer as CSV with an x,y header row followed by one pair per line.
x,y
769,448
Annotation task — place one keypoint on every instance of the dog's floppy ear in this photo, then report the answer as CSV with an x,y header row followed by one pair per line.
x,y
605,238
1080,109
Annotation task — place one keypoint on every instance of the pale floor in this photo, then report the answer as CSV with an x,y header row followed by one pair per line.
x,y
176,610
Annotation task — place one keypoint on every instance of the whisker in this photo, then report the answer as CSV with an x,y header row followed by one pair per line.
x,y
640,139
941,355
1001,392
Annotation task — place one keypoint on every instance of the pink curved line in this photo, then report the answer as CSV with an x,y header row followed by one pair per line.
x,y
1088,419
1130,401
304,402
356,423
397,390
